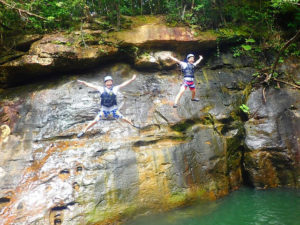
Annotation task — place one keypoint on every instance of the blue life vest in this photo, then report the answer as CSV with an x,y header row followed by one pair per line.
x,y
189,70
108,99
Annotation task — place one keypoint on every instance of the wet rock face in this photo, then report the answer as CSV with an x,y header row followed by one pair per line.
x,y
182,39
272,136
48,176
154,61
58,53
54,53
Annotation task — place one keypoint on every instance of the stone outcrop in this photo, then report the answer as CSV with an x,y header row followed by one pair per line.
x,y
116,171
162,36
272,137
54,54
272,134
153,61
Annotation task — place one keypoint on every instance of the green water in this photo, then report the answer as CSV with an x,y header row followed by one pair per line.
x,y
243,207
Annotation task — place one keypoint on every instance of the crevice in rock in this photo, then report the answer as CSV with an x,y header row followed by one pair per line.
x,y
56,138
144,143
79,169
184,125
226,121
246,178
62,207
76,186
141,143
243,116
55,75
4,200
100,152
57,213
151,127
64,174
225,129
65,171
162,116
57,221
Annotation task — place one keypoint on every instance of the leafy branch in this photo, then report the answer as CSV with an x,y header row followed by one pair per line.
x,y
287,44
21,11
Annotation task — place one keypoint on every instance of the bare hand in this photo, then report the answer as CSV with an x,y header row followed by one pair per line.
x,y
80,81
200,57
134,77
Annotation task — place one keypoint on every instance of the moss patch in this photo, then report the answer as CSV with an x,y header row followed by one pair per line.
x,y
143,20
113,214
177,198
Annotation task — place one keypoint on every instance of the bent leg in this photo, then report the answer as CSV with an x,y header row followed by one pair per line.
x,y
180,93
92,123
127,121
89,125
118,115
193,93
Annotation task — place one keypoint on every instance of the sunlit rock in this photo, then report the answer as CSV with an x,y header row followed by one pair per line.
x,y
200,150
272,137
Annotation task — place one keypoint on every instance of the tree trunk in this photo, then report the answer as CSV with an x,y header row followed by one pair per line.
x,y
150,5
183,12
219,6
118,14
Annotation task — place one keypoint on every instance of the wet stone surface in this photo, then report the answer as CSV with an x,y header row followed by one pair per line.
x,y
49,176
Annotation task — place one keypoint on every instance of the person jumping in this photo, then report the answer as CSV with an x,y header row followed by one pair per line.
x,y
108,96
188,79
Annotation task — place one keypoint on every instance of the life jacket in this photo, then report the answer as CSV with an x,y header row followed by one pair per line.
x,y
108,99
188,71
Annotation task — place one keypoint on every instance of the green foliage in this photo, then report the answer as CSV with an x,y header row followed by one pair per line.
x,y
250,40
281,60
293,49
246,47
129,50
245,108
275,74
236,51
56,14
256,19
256,74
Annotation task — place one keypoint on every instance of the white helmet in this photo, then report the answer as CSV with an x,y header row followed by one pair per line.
x,y
107,78
190,55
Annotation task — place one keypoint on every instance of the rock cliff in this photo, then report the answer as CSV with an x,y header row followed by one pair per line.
x,y
199,150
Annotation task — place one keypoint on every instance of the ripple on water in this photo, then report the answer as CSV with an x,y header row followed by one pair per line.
x,y
243,207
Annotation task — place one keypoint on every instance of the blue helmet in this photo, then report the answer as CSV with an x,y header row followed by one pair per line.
x,y
107,78
189,56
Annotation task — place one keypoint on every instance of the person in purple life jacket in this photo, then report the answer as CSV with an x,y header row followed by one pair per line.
x,y
188,76
108,96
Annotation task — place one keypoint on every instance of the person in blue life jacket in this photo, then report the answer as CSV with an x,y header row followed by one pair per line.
x,y
188,76
108,96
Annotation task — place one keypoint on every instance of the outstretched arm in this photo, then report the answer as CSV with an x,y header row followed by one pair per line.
x,y
127,82
174,59
198,61
88,84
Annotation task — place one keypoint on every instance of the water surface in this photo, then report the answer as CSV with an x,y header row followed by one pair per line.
x,y
243,207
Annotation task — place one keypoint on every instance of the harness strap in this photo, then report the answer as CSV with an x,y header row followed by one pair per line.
x,y
188,71
108,98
